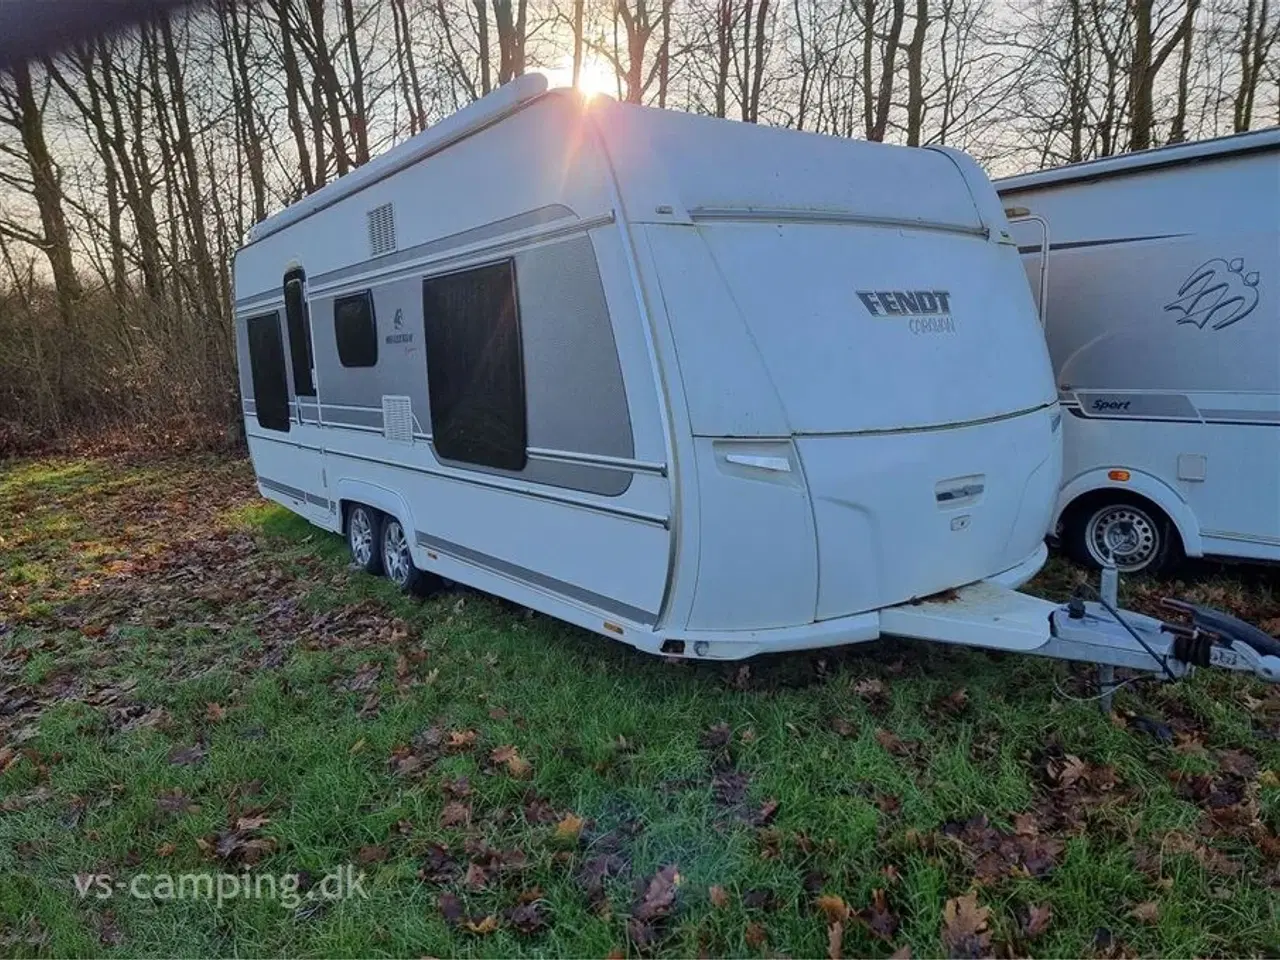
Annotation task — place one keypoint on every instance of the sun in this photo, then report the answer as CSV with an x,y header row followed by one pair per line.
x,y
595,77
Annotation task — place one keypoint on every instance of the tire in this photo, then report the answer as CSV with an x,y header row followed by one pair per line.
x,y
1130,533
397,561
364,538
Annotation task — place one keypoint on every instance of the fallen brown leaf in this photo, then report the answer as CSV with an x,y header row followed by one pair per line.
x,y
835,940
964,927
755,935
371,854
1037,921
569,827
834,907
455,814
718,896
1148,912
483,927
461,740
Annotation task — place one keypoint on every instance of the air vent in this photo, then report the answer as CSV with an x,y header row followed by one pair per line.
x,y
397,419
382,230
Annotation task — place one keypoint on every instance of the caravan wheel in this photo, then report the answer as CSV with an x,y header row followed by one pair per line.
x,y
1133,535
397,560
363,538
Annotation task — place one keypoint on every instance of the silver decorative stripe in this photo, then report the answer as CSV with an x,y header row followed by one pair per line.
x,y
336,416
454,241
783,215
1159,408
375,273
935,427
1241,416
533,577
283,438
1241,538
597,460
524,490
295,492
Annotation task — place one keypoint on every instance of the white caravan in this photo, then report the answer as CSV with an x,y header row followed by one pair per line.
x,y
709,388
1163,321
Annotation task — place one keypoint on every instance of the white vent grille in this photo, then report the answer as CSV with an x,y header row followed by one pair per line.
x,y
382,230
397,419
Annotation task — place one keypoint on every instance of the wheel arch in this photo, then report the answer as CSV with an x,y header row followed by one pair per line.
x,y
390,502
1142,485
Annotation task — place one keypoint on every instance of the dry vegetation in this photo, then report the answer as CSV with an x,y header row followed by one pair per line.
x,y
192,681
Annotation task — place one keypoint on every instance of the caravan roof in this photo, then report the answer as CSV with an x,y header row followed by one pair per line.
x,y
1144,160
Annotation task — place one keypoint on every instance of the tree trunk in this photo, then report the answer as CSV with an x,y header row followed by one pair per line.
x,y
915,74
884,99
293,88
359,121
482,41
724,48
189,179
47,193
757,67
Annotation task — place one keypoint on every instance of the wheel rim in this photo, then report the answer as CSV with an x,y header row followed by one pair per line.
x,y
395,553
1123,535
360,537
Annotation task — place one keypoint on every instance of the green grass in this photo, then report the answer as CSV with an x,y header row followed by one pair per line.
x,y
150,608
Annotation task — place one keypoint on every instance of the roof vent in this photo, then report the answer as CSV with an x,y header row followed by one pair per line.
x,y
382,230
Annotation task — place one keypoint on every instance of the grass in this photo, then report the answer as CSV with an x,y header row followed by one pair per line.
x,y
194,683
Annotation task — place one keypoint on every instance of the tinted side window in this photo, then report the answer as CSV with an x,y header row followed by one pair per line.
x,y
475,368
299,320
355,330
266,365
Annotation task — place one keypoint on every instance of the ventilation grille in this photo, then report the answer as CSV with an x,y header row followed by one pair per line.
x,y
382,230
397,419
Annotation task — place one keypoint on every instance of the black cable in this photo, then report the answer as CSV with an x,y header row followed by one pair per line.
x,y
1132,632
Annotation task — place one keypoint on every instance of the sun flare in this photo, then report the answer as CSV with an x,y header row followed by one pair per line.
x,y
595,77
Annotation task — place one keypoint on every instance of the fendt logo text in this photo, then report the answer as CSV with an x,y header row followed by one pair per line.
x,y
928,311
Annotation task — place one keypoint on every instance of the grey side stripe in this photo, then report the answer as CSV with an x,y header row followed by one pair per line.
x,y
1075,244
1241,416
497,228
519,488
1242,537
516,572
295,492
521,221
785,215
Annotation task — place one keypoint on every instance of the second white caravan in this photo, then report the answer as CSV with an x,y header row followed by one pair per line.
x,y
1163,322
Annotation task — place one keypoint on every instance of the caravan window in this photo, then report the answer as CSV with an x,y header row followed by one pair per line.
x,y
355,330
299,320
266,366
475,368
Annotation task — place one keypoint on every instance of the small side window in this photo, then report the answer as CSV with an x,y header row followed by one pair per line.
x,y
299,320
356,330
266,367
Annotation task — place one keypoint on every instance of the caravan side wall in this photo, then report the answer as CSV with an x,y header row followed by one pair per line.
x,y
1163,322
553,490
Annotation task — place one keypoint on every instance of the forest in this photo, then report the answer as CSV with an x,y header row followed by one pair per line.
x,y
132,165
